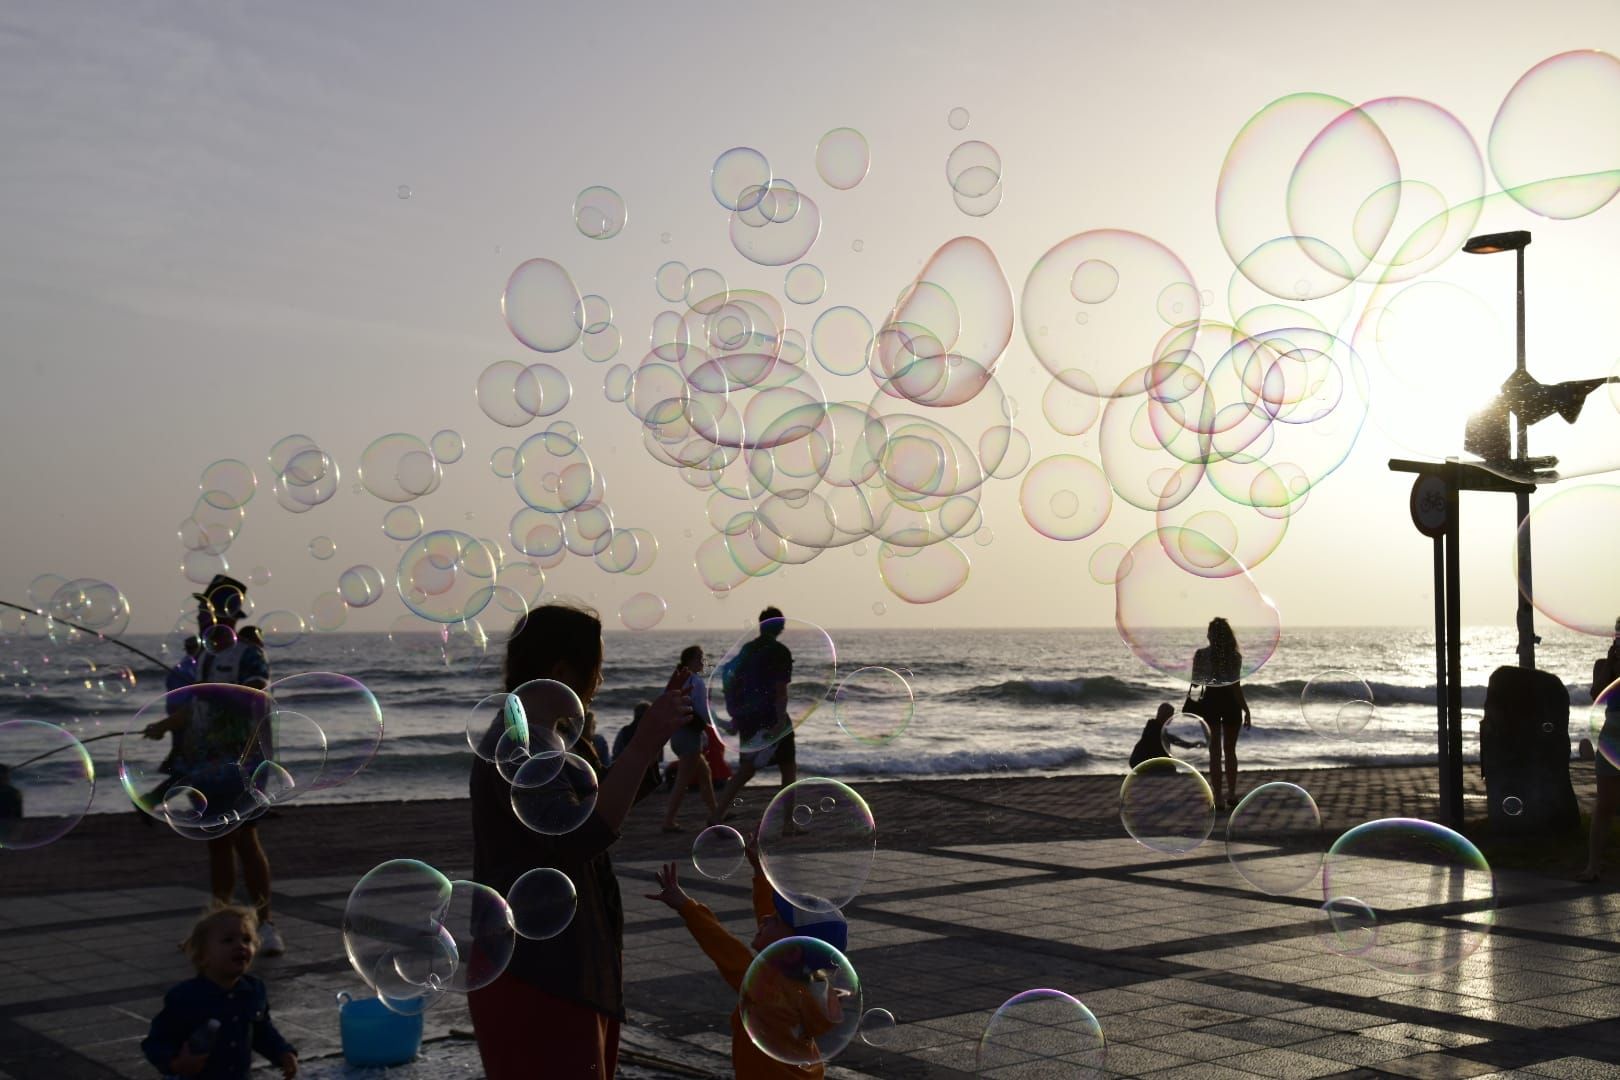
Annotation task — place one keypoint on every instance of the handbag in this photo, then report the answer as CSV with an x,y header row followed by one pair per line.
x,y
1195,703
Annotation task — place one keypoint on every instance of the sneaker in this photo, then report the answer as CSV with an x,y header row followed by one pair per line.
x,y
270,943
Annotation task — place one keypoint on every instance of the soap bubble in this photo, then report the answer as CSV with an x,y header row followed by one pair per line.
x,y
543,902
1336,703
796,986
924,575
1274,838
444,576
802,815
402,523
739,178
322,547
497,393
52,779
1042,1033
1603,723
539,304
1512,806
643,611
745,678
481,925
281,628
391,923
877,1028
718,852
447,446
1551,144
973,168
670,281
1353,924
1166,805
599,213
361,585
778,229
820,864
542,390
227,484
503,462
552,800
1185,736
958,118
842,340
804,284
1071,411
842,158
218,638
211,797
1409,873
874,705
347,715
398,468
1065,497
1564,525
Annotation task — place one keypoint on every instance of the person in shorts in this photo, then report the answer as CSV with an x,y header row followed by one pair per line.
x,y
756,696
689,742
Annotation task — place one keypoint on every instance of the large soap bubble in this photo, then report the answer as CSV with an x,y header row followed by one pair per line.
x,y
345,712
1565,528
209,793
747,678
718,852
1552,144
554,793
1603,723
800,1001
46,783
480,923
539,305
1336,703
543,902
1042,1033
446,576
1430,891
1166,805
393,932
874,705
816,843
1274,838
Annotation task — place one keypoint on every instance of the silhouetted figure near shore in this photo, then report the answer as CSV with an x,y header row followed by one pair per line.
x,y
1217,696
1604,672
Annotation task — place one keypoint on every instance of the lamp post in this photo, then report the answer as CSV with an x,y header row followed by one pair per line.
x,y
1491,244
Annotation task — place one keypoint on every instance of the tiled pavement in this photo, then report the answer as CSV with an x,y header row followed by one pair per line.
x,y
979,891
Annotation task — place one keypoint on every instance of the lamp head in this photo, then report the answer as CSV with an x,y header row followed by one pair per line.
x,y
1491,243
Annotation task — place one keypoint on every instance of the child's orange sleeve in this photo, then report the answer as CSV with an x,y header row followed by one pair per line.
x,y
764,898
729,954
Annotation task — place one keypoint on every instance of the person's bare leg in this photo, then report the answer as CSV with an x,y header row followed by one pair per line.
x,y
790,774
705,783
1608,800
683,776
743,774
1215,766
222,868
255,868
1229,736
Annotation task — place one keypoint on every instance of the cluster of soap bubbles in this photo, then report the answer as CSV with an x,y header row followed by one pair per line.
x,y
46,783
246,750
528,735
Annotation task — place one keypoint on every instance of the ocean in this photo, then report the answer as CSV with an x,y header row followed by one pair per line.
x,y
987,702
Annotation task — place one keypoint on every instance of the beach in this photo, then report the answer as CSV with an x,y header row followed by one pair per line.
x,y
980,889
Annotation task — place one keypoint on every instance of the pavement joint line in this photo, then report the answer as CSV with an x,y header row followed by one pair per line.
x,y
43,1058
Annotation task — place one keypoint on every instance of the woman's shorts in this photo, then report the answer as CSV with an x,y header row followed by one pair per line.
x,y
686,742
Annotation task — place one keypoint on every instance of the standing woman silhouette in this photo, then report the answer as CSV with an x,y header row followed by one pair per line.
x,y
1217,668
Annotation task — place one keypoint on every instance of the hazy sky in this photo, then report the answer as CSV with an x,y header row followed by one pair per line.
x,y
205,251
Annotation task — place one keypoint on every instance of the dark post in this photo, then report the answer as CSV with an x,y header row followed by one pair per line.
x,y
1440,670
1526,613
1453,810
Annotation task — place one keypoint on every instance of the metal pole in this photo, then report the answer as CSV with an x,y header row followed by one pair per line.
x,y
1454,802
1526,613
1444,750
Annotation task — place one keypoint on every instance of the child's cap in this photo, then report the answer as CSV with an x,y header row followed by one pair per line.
x,y
828,926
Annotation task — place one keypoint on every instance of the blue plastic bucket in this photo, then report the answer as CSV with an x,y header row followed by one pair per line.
x,y
373,1035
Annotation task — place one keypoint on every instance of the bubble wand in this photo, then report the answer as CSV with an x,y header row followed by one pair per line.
x,y
59,749
162,665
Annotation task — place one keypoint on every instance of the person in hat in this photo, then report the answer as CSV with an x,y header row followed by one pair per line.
x,y
214,736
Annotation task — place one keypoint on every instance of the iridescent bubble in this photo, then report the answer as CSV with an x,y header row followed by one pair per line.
x,y
977,205
1167,806
402,523
259,575
503,462
1162,610
599,213
1274,838
542,390
739,178
616,382
1124,324
391,921
643,611
228,483
877,1028
218,638
804,284
1185,736
1071,411
1552,143
706,290
958,118
52,781
481,924
1065,497
670,281
543,902
593,314
444,576
327,611
361,585
1042,1033
403,191
447,446
215,794
842,340
973,168
554,473
842,158
822,863
398,468
322,547
281,628
1399,869
718,852
200,567
874,705
497,394
924,575
552,800
1564,527
539,304
779,229
1353,924
1512,806
1336,703
602,345
1603,723
743,684
800,1001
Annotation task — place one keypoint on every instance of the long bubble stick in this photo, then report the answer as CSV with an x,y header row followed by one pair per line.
x,y
59,749
162,665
